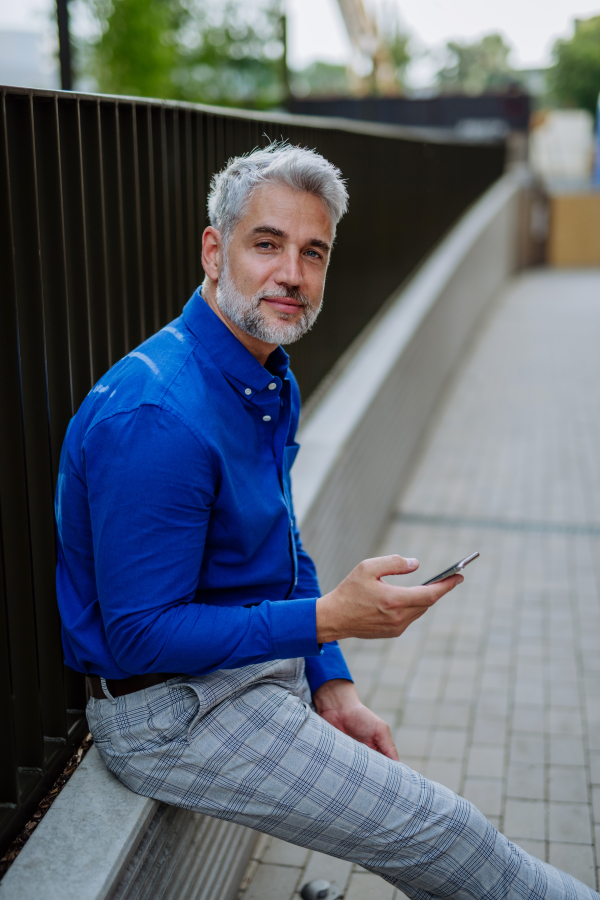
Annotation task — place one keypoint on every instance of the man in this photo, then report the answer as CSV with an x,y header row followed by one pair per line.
x,y
188,599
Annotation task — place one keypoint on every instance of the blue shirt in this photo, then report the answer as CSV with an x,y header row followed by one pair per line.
x,y
177,545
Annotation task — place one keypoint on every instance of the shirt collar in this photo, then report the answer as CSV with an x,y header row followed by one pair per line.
x,y
227,352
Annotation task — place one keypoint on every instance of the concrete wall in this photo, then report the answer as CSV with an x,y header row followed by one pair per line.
x,y
357,445
99,840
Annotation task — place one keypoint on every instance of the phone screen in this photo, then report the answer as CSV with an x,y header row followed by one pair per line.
x,y
453,570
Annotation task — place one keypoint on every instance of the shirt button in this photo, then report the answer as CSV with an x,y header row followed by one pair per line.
x,y
247,392
266,418
272,386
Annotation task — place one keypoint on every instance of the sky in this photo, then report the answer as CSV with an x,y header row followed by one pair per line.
x,y
529,26
316,29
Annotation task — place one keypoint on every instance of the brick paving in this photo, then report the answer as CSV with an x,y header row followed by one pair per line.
x,y
496,691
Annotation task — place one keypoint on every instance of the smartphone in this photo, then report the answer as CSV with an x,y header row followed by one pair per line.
x,y
456,569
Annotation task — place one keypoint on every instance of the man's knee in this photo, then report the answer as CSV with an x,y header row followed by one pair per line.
x,y
441,836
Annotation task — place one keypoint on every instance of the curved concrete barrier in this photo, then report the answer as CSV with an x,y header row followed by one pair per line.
x,y
357,445
99,840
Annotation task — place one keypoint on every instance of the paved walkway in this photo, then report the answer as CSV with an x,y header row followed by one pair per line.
x,y
496,691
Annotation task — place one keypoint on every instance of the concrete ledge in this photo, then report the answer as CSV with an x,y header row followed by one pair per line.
x,y
187,856
99,840
357,444
84,842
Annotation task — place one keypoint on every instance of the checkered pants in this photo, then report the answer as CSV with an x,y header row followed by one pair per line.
x,y
246,745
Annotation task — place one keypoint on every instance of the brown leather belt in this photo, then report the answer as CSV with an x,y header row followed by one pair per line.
x,y
118,687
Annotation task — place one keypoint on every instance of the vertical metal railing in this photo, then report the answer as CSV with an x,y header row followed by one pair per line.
x,y
102,208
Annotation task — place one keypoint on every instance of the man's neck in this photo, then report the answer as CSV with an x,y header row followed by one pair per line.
x,y
260,350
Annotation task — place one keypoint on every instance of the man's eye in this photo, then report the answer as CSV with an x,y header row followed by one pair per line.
x,y
265,245
314,253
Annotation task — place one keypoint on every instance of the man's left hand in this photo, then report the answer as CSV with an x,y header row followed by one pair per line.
x,y
338,703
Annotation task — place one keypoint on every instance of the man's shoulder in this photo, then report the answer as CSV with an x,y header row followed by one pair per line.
x,y
168,371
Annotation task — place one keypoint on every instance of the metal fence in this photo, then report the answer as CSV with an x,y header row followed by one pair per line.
x,y
102,207
446,111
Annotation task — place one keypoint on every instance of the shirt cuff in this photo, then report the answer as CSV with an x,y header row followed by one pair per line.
x,y
329,665
294,628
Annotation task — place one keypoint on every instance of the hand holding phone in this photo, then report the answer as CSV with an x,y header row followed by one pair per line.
x,y
456,569
363,605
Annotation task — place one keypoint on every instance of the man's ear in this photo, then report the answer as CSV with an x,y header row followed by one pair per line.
x,y
212,253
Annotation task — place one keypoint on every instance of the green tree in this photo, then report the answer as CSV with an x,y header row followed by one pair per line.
x,y
228,53
575,77
321,79
391,58
137,50
395,43
478,67
232,53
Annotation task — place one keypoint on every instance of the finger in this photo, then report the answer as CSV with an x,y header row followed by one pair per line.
x,y
422,596
380,566
437,590
431,593
385,744
442,587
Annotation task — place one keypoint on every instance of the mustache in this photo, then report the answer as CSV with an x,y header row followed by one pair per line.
x,y
293,292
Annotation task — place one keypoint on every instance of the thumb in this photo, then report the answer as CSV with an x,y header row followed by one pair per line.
x,y
380,566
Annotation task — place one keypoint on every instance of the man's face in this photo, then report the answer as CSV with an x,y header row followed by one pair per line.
x,y
273,274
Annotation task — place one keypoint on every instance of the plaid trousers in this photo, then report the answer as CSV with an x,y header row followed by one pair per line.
x,y
246,745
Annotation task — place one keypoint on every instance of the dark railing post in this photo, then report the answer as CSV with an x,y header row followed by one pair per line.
x,y
64,45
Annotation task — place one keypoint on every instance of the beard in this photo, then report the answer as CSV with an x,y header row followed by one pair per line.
x,y
245,312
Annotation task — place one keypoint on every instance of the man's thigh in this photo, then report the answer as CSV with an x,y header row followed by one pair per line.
x,y
262,757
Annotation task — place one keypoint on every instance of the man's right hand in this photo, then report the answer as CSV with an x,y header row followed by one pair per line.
x,y
364,606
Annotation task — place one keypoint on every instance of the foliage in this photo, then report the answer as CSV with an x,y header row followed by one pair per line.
x,y
575,76
321,79
478,67
224,52
395,44
228,53
137,48
232,53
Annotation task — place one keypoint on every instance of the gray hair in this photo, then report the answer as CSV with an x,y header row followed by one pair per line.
x,y
280,163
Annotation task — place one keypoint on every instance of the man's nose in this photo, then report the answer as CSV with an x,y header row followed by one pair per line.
x,y
289,271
